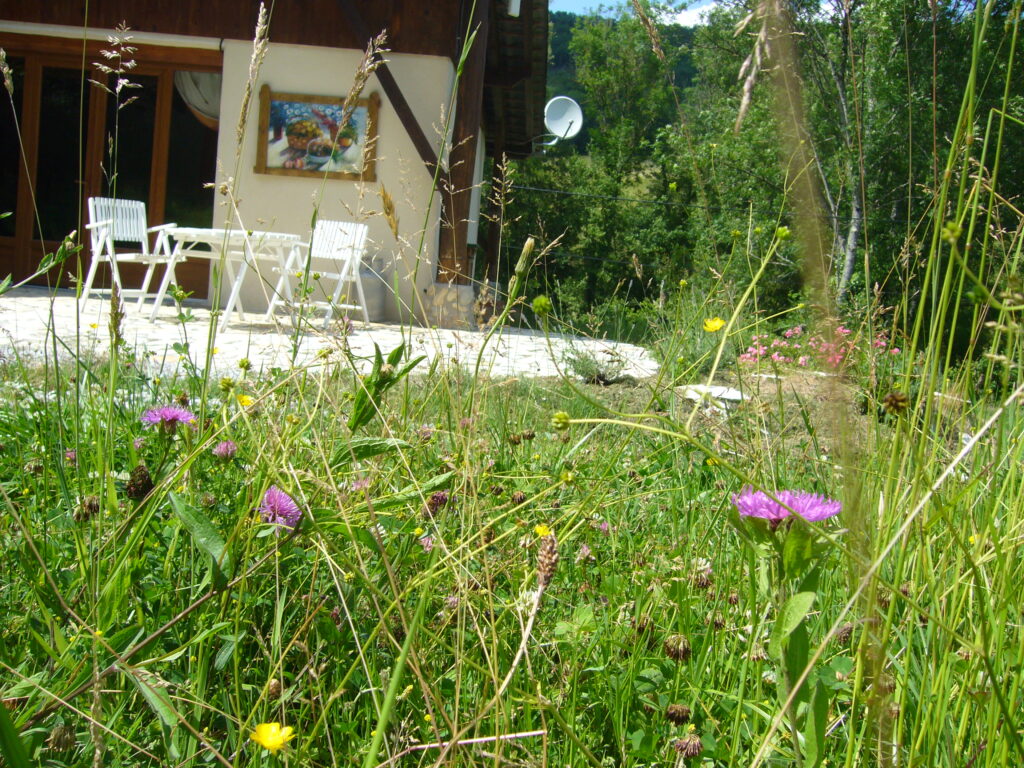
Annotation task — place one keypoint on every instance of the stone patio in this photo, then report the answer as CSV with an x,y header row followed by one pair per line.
x,y
27,316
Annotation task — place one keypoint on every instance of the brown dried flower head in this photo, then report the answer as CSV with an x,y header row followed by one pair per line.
x,y
88,508
896,403
690,745
677,647
679,714
139,483
547,559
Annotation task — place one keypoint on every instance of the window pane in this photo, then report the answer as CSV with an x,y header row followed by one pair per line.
x,y
10,150
128,152
64,103
191,163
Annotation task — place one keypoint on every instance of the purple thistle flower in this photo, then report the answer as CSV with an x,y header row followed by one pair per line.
x,y
810,506
225,450
168,417
280,509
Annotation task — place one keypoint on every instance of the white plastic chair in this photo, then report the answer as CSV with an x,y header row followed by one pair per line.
x,y
341,243
124,221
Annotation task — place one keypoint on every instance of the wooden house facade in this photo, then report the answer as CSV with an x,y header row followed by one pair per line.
x,y
178,128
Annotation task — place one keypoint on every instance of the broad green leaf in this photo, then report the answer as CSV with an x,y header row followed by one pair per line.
x,y
206,536
158,700
793,612
362,448
814,727
797,551
11,745
797,651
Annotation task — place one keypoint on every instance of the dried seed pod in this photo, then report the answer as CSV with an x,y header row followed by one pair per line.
x,y
139,483
690,745
61,738
679,714
844,633
89,507
896,403
547,559
518,497
677,647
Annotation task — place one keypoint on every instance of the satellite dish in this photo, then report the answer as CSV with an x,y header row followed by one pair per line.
x,y
563,118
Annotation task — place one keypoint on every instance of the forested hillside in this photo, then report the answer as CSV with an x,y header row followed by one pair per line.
x,y
666,180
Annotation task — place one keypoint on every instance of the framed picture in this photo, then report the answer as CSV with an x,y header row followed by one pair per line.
x,y
304,136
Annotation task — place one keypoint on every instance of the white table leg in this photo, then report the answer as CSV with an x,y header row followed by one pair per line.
x,y
166,282
236,288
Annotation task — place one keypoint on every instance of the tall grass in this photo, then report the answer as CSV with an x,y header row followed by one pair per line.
x,y
475,581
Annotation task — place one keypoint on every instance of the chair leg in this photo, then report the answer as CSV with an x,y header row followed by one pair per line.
x,y
89,277
147,278
362,297
165,284
282,288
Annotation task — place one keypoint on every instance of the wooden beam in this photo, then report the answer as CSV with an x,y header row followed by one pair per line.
x,y
161,142
25,213
394,93
454,264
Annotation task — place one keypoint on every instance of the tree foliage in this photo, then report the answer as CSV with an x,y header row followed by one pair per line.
x,y
662,185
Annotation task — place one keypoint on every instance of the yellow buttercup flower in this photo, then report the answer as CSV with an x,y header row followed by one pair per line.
x,y
245,401
713,324
542,530
271,736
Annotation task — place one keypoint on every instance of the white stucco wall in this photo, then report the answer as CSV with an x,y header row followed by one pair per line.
x,y
285,204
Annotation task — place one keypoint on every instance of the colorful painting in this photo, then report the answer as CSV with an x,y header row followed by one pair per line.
x,y
311,136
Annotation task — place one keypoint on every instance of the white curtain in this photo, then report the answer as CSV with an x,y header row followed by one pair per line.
x,y
201,92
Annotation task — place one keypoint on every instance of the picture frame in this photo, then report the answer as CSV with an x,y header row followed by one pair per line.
x,y
302,135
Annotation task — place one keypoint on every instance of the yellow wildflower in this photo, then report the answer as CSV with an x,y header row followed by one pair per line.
x,y
245,401
542,530
713,324
271,736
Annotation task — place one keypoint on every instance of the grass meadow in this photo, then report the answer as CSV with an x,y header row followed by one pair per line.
x,y
382,562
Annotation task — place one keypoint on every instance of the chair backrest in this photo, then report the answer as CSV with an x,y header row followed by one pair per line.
x,y
339,240
128,219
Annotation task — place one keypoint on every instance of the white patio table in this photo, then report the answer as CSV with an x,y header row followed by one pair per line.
x,y
241,248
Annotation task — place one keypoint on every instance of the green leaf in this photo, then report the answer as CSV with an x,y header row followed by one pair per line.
x,y
158,700
362,448
226,651
793,612
11,745
798,650
814,727
206,536
5,285
797,551
648,680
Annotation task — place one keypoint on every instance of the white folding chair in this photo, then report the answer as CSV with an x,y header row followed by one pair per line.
x,y
339,243
114,221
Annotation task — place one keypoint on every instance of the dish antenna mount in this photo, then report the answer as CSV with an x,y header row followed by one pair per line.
x,y
563,118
